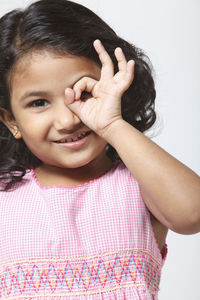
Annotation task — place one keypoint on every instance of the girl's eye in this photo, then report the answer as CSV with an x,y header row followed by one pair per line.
x,y
38,103
85,95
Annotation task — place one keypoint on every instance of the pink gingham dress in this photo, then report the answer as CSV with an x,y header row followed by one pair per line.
x,y
92,241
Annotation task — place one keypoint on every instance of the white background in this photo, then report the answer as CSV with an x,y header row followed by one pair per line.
x,y
169,32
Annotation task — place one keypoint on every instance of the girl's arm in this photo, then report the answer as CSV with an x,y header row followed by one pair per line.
x,y
170,190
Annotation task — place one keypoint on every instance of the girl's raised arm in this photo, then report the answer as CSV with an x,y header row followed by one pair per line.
x,y
170,190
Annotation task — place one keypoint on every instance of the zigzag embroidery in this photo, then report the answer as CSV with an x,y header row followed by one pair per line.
x,y
82,276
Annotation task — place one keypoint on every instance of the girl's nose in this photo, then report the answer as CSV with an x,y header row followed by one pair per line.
x,y
65,119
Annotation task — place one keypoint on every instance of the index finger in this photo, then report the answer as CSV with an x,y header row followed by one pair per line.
x,y
107,70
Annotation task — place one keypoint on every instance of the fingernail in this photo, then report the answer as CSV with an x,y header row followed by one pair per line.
x,y
97,41
67,90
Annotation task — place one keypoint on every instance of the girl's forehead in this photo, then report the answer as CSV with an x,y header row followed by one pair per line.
x,y
37,55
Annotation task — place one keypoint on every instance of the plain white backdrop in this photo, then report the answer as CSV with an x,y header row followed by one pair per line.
x,y
168,31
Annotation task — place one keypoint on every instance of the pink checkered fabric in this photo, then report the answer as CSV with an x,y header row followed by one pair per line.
x,y
93,241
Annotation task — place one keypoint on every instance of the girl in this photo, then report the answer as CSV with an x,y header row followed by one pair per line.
x,y
86,198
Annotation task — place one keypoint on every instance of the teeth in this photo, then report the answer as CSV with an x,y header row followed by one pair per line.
x,y
69,140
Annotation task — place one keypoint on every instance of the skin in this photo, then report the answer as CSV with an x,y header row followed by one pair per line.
x,y
173,203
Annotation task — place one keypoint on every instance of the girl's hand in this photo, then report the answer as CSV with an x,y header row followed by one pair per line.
x,y
102,106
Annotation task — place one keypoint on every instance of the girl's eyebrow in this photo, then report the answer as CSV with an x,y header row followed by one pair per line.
x,y
33,94
46,94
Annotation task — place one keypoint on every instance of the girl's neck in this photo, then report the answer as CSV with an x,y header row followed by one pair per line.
x,y
54,176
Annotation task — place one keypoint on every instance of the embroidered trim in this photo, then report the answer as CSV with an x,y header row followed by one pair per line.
x,y
80,276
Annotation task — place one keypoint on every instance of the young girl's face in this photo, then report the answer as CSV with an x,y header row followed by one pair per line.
x,y
46,124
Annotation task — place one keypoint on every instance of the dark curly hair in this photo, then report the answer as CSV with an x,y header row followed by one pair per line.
x,y
64,26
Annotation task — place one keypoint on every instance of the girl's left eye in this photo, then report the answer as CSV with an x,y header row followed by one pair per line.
x,y
38,103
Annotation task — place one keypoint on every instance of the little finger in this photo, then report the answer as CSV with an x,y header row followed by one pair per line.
x,y
130,70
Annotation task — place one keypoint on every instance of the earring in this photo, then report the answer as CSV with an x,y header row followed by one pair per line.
x,y
15,133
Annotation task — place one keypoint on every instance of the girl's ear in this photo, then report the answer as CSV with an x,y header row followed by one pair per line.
x,y
7,119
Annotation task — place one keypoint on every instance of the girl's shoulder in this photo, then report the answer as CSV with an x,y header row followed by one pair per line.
x,y
121,172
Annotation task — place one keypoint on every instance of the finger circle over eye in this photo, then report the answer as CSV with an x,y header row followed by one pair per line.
x,y
84,84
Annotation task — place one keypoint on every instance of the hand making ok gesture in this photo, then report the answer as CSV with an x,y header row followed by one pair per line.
x,y
102,106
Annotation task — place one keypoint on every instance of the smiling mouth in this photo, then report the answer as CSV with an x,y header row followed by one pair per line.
x,y
74,139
